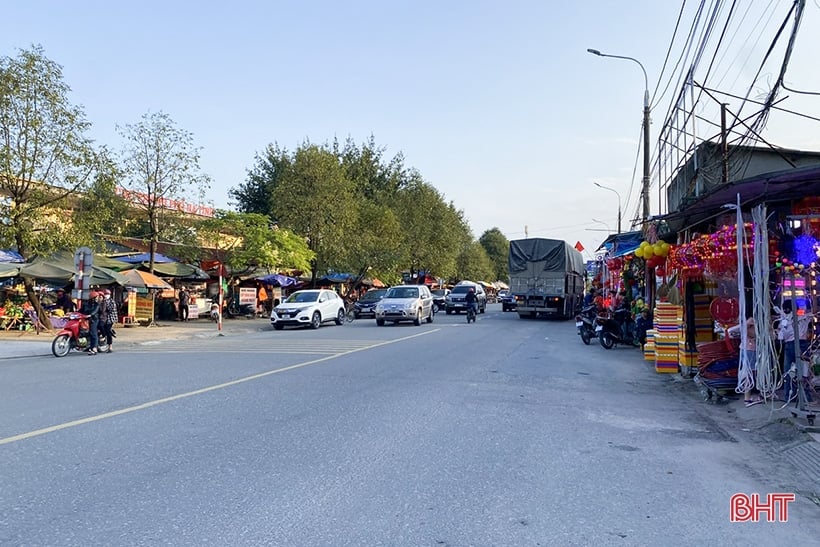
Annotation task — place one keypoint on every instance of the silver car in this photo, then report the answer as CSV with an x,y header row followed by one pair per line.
x,y
405,303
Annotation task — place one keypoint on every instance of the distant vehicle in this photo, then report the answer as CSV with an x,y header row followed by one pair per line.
x,y
366,305
546,277
507,300
439,299
310,307
456,300
405,303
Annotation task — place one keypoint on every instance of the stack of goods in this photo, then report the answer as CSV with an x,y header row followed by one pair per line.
x,y
649,347
718,364
704,332
668,319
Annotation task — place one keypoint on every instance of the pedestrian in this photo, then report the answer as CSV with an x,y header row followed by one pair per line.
x,y
183,304
92,310
64,302
785,333
108,318
262,301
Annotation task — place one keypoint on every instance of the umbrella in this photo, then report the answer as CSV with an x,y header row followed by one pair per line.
x,y
146,280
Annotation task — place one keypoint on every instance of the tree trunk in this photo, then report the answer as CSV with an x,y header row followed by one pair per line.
x,y
35,302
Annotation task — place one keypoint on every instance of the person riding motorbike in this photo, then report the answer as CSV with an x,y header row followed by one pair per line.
x,y
472,300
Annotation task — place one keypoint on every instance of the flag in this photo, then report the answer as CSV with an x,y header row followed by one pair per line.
x,y
579,247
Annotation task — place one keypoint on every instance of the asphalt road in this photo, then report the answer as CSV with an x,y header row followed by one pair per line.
x,y
505,432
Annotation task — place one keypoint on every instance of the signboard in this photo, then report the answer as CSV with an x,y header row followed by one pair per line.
x,y
132,303
83,262
193,307
144,310
247,295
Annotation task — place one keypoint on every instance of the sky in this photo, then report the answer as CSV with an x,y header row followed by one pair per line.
x,y
497,104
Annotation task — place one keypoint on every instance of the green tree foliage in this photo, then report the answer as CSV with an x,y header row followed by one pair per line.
x,y
433,230
247,242
160,165
314,198
473,263
100,210
386,218
497,247
45,156
256,193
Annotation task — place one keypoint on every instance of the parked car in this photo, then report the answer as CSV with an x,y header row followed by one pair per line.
x,y
439,299
310,307
405,303
456,300
366,305
507,300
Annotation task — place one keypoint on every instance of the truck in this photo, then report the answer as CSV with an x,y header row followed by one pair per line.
x,y
546,277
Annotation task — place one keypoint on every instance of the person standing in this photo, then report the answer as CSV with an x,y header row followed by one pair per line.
x,y
749,352
64,302
92,310
183,304
108,318
786,335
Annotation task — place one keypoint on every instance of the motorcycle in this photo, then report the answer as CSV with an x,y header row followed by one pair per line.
x,y
586,321
75,335
616,328
471,313
214,314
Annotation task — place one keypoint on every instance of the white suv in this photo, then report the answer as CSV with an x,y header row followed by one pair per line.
x,y
405,303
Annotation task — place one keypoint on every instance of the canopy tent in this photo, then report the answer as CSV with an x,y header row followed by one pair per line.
x,y
59,269
144,280
277,280
337,278
9,270
176,269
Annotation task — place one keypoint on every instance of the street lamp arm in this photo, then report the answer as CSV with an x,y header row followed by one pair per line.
x,y
645,78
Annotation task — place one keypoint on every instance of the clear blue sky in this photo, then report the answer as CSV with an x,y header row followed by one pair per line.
x,y
497,104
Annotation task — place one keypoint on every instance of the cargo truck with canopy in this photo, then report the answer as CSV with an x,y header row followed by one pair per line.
x,y
546,277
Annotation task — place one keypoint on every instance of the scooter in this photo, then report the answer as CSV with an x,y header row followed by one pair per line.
x,y
616,328
75,335
471,313
586,322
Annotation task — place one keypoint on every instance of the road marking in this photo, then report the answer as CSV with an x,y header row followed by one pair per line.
x,y
149,404
321,347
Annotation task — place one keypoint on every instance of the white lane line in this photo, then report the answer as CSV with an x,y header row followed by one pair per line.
x,y
149,404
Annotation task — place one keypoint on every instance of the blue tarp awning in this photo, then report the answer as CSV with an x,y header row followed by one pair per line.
x,y
622,244
11,256
144,257
277,279
337,278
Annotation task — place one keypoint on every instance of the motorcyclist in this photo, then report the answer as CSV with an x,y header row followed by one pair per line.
x,y
472,300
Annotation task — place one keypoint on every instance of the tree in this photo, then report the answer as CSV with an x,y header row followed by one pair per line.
x,y
256,193
473,263
45,156
248,241
314,198
100,210
160,166
497,247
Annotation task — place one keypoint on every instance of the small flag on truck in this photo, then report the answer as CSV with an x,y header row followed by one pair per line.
x,y
579,247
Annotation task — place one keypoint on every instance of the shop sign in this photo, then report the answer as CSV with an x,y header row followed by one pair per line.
x,y
247,295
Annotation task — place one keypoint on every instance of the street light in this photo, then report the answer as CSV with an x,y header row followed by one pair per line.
x,y
645,181
604,223
619,201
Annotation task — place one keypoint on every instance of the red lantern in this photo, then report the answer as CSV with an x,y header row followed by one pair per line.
x,y
661,271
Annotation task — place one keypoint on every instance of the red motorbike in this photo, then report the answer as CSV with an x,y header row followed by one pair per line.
x,y
75,335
